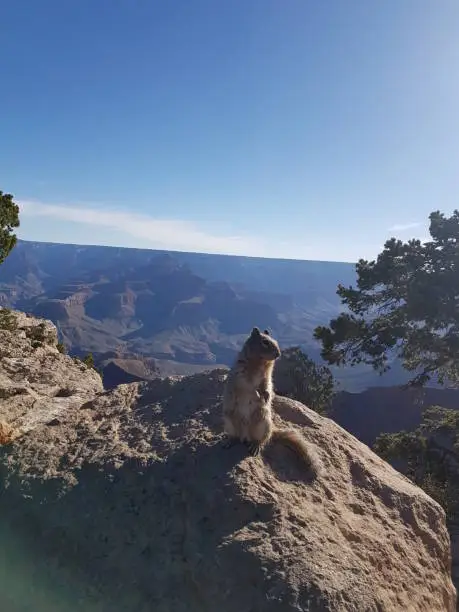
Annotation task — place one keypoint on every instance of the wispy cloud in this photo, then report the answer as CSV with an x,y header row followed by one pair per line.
x,y
169,234
404,227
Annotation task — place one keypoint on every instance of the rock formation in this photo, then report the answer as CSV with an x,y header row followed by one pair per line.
x,y
126,501
37,382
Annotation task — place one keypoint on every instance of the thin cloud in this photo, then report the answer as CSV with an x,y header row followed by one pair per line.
x,y
403,227
168,234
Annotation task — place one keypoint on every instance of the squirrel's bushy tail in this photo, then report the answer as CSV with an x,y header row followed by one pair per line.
x,y
298,444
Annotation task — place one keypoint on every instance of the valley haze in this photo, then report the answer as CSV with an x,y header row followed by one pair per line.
x,y
161,311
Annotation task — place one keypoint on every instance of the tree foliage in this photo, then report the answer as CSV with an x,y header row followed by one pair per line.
x,y
298,377
9,220
429,456
405,305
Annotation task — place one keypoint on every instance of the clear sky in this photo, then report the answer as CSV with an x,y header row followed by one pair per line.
x,y
286,128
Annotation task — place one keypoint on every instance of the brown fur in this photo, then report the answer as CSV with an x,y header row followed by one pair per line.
x,y
247,399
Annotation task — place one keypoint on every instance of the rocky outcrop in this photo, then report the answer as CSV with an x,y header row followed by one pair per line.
x,y
129,502
37,382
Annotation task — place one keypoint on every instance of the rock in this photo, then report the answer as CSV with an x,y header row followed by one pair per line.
x,y
37,382
129,502
7,433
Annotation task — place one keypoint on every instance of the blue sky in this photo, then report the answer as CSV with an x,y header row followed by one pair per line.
x,y
284,128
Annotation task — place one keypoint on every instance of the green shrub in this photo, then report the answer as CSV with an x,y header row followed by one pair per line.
x,y
89,360
8,320
298,377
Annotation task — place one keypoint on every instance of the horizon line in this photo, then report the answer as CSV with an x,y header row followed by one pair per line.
x,y
109,246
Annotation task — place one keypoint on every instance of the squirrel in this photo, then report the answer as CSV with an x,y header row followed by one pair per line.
x,y
247,400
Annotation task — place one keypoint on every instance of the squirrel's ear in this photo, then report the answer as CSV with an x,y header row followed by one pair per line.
x,y
266,332
255,331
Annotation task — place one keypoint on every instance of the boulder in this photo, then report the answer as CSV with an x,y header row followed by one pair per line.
x,y
37,382
129,502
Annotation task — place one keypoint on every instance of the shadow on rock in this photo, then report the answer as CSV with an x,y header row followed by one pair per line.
x,y
157,538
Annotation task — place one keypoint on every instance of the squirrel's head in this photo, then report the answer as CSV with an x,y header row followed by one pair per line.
x,y
261,345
